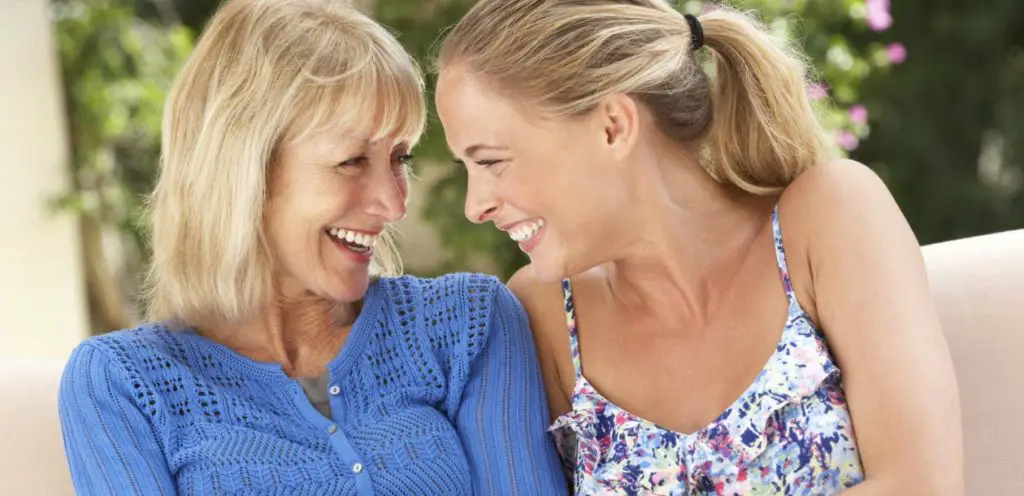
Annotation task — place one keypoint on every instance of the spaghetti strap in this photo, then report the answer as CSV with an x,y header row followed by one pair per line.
x,y
570,322
780,257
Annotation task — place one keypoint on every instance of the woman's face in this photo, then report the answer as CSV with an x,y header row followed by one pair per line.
x,y
553,184
330,196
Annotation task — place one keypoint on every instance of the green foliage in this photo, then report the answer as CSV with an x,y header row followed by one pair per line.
x,y
116,69
948,125
944,129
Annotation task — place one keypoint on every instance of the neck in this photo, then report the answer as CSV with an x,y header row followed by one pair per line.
x,y
696,235
301,331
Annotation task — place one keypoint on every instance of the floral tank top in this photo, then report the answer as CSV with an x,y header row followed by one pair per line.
x,y
789,433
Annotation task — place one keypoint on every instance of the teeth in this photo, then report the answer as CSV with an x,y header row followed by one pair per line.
x,y
525,232
352,237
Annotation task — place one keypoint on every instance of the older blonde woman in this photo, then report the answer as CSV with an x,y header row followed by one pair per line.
x,y
280,363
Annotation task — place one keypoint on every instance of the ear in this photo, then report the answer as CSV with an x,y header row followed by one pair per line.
x,y
620,121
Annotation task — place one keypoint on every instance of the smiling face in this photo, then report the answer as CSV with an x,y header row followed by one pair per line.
x,y
556,185
330,198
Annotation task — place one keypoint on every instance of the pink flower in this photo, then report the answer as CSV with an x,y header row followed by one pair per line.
x,y
858,114
897,53
816,91
847,141
877,15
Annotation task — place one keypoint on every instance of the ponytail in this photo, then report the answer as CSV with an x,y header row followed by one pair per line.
x,y
764,131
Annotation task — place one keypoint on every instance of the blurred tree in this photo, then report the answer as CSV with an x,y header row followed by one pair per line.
x,y
116,69
930,94
948,126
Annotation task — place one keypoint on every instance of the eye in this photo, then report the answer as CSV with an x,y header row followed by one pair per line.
x,y
401,164
353,162
488,163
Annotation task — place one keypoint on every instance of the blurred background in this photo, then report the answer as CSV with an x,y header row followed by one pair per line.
x,y
929,93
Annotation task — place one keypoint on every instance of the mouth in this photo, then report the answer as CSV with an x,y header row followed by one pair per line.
x,y
527,234
360,243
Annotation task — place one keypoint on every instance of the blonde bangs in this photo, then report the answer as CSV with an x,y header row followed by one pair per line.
x,y
376,95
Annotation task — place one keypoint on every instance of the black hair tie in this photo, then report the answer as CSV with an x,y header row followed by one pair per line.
x,y
696,32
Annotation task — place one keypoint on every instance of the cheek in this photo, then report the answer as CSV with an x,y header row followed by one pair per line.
x,y
574,193
550,181
287,243
279,214
528,191
308,209
331,197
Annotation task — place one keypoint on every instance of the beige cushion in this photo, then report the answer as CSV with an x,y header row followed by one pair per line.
x,y
32,451
978,285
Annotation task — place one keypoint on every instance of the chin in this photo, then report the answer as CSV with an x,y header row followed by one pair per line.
x,y
350,288
548,261
546,270
551,269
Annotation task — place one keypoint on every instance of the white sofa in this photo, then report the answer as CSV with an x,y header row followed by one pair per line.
x,y
32,459
979,289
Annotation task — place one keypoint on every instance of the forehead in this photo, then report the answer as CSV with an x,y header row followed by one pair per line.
x,y
471,110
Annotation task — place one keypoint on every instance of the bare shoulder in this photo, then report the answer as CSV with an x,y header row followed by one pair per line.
x,y
835,191
542,301
828,211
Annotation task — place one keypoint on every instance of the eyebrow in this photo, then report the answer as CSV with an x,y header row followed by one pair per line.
x,y
472,149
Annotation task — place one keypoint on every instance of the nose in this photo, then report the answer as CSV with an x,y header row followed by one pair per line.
x,y
481,203
388,196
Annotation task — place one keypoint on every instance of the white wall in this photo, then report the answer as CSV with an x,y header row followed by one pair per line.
x,y
42,293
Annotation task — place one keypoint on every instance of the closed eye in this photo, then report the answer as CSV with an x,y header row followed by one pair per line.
x,y
482,163
353,162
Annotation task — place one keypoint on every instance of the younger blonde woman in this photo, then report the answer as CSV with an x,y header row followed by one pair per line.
x,y
745,314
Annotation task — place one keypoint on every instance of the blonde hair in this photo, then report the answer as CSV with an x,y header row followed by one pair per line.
x,y
264,72
752,121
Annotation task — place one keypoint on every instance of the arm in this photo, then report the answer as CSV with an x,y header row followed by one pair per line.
x,y
502,417
110,444
872,299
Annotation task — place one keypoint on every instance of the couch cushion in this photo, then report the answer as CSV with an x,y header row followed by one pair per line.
x,y
32,459
978,284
